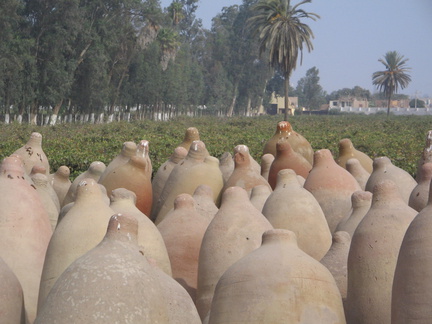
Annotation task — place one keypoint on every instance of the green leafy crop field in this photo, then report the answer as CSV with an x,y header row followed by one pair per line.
x,y
400,138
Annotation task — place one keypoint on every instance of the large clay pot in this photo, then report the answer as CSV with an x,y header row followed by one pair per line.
x,y
143,150
191,135
293,208
297,141
25,230
361,202
420,195
373,255
32,153
11,297
266,162
226,165
336,260
94,172
80,230
164,171
277,283
133,176
182,230
111,283
204,203
287,158
259,196
150,241
245,174
235,231
60,182
348,151
354,167
128,150
412,287
332,186
186,177
384,169
426,155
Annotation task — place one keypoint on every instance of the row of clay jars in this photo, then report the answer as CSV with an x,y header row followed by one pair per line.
x,y
373,255
297,141
277,283
114,283
412,289
25,230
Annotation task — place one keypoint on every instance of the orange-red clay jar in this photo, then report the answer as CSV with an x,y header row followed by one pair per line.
x,y
277,283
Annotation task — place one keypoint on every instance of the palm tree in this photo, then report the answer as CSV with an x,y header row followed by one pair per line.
x,y
282,35
394,76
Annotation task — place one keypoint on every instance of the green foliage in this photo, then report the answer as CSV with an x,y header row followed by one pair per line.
x,y
401,138
417,103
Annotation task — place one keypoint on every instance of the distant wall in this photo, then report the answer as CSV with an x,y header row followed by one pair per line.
x,y
394,111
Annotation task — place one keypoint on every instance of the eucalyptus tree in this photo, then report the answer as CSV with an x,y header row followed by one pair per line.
x,y
394,76
282,35
309,91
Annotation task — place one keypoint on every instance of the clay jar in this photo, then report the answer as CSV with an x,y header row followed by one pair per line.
x,y
235,231
60,182
150,241
354,167
419,196
164,171
259,196
266,162
143,150
11,296
297,141
204,203
111,283
25,230
182,230
94,172
292,207
348,151
384,169
245,174
412,289
373,255
361,202
32,153
128,150
286,158
80,230
332,186
133,176
277,283
226,165
426,155
191,135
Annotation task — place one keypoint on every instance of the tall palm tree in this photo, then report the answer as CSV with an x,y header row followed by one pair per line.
x,y
282,35
394,76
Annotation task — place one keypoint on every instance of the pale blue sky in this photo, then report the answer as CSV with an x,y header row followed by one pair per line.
x,y
352,35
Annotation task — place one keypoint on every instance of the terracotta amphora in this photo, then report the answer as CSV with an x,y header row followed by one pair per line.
x,y
94,172
373,255
111,283
133,176
384,169
420,195
266,162
191,135
361,202
412,287
25,230
204,202
162,174
186,177
293,208
60,182
426,155
332,186
287,158
226,165
354,167
80,230
245,174
277,283
336,260
196,154
348,151
128,150
11,296
182,230
259,196
32,153
143,150
235,231
297,141
150,240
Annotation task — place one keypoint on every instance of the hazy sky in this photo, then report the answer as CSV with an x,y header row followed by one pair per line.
x,y
352,35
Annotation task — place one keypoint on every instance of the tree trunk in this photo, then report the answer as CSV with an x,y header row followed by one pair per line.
x,y
54,115
388,104
286,99
233,102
